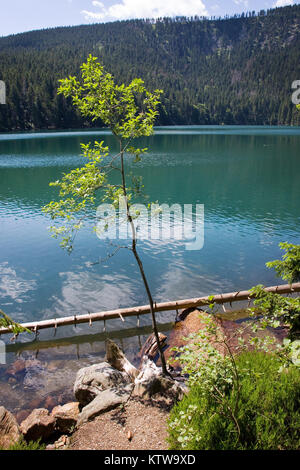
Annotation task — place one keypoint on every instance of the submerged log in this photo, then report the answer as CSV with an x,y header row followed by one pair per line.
x,y
145,309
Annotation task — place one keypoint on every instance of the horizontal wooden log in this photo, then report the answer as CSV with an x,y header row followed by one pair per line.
x,y
160,307
78,340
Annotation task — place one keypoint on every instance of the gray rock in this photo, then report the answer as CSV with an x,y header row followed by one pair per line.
x,y
9,429
104,401
93,380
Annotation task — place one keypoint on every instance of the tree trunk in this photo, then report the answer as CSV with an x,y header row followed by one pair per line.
x,y
141,268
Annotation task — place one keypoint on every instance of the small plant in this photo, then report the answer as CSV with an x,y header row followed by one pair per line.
x,y
23,445
275,310
203,358
289,353
289,267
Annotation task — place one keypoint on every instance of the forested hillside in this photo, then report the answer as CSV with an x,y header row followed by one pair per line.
x,y
222,71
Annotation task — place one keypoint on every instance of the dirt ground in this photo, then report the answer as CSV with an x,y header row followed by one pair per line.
x,y
141,425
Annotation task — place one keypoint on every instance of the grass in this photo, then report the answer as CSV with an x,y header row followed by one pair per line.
x,y
267,412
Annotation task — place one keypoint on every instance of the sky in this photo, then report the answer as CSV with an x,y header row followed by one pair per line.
x,y
17,16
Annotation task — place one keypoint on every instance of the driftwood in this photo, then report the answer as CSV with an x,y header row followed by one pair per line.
x,y
150,348
145,309
117,359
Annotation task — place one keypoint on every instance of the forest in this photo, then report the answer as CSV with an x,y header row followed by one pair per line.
x,y
233,71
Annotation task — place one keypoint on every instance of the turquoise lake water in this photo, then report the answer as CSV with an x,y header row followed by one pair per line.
x,y
248,179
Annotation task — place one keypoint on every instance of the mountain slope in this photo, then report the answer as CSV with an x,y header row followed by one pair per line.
x,y
233,71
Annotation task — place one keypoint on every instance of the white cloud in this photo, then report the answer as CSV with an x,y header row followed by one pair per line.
x,y
244,3
283,3
127,9
12,285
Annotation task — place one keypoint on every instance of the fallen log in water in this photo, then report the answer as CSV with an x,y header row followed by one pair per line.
x,y
160,307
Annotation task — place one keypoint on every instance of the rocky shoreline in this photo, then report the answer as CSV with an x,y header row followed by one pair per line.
x,y
98,389
114,384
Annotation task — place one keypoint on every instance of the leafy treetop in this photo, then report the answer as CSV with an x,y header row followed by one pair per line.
x,y
129,111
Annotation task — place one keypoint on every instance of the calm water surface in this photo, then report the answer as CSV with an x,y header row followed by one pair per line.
x,y
248,178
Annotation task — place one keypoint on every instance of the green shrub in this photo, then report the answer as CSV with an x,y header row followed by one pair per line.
x,y
288,268
23,445
276,310
262,413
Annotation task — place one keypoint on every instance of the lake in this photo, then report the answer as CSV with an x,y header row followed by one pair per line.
x,y
248,179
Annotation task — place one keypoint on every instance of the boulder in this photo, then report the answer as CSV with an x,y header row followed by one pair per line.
x,y
66,417
105,401
90,381
192,321
116,358
9,429
36,402
38,425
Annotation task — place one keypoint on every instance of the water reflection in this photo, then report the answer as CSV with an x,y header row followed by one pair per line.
x,y
41,373
247,178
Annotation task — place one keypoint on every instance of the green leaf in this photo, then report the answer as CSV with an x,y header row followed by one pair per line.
x,y
7,322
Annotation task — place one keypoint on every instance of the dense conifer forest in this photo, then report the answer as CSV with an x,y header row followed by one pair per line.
x,y
236,70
